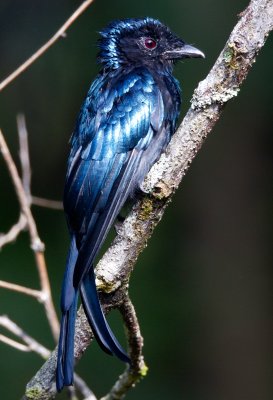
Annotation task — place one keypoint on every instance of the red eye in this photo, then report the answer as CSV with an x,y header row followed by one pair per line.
x,y
150,43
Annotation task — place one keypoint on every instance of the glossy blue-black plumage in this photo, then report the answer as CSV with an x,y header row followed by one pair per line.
x,y
125,123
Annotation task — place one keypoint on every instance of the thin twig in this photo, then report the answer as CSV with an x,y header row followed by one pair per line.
x,y
46,289
13,343
83,388
30,343
24,154
36,243
71,393
14,231
138,368
41,202
60,33
26,169
37,294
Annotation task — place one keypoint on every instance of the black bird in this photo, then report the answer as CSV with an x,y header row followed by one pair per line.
x,y
125,123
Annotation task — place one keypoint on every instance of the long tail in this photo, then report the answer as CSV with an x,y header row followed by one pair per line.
x,y
80,274
69,300
65,358
102,331
84,274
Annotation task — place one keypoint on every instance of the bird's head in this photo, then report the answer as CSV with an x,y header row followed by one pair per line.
x,y
141,41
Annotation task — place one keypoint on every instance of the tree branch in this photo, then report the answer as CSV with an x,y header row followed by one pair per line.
x,y
221,85
60,33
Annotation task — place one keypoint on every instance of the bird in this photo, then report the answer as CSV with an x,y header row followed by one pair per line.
x,y
125,123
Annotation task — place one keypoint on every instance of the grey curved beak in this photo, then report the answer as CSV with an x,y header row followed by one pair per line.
x,y
185,51
191,51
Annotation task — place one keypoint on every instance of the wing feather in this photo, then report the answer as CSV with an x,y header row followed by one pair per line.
x,y
121,122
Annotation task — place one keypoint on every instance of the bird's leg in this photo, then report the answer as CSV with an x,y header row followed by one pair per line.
x,y
122,215
120,218
118,223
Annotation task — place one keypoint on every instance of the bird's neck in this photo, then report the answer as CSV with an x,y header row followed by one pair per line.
x,y
156,69
160,69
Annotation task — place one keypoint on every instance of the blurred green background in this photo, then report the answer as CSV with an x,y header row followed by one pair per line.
x,y
202,287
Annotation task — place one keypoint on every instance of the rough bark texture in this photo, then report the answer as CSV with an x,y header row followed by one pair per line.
x,y
221,85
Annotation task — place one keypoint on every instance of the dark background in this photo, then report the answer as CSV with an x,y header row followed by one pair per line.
x,y
202,287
